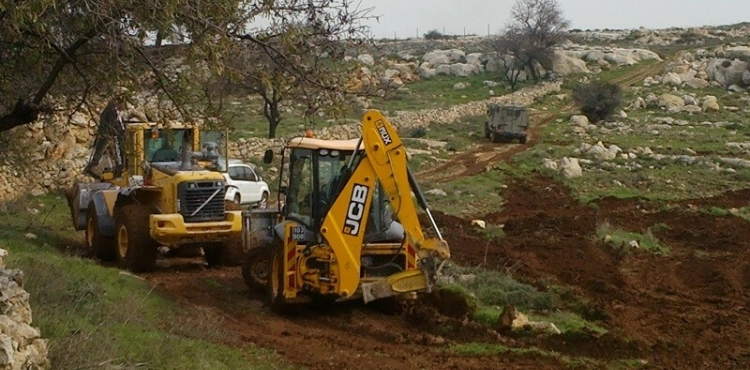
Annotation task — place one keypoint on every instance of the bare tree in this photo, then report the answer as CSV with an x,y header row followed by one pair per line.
x,y
506,49
536,26
62,53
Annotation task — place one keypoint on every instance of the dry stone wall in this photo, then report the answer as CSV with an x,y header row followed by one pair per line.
x,y
21,345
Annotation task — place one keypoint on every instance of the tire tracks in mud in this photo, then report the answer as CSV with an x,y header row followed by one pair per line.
x,y
484,155
347,335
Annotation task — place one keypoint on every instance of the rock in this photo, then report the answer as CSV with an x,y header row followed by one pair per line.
x,y
463,69
579,120
479,223
443,69
710,103
638,103
564,64
598,151
726,72
459,86
366,59
570,168
736,88
474,59
549,164
634,244
426,73
491,83
437,57
671,78
697,83
437,192
670,101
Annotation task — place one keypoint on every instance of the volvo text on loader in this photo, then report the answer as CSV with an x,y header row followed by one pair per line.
x,y
157,186
348,227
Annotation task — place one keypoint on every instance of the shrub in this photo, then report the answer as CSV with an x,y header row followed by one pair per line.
x,y
418,132
434,35
598,100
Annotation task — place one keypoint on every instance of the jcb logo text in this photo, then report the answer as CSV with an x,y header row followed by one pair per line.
x,y
356,209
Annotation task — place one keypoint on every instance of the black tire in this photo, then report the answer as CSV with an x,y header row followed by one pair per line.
x,y
136,250
263,203
495,137
256,268
101,246
522,140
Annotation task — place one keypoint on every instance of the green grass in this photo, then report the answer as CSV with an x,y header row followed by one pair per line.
x,y
97,317
743,212
438,92
569,362
621,239
474,195
495,288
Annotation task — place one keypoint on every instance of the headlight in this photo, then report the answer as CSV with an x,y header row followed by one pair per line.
x,y
191,185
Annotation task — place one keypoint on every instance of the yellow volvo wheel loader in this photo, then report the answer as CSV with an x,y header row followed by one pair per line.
x,y
156,186
349,225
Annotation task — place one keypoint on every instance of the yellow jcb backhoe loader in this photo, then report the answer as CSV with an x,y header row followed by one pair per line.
x,y
348,227
156,186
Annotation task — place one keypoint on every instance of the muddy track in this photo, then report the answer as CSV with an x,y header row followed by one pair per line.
x,y
344,336
484,155
479,158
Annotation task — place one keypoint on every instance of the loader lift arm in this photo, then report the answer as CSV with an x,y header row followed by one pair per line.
x,y
384,159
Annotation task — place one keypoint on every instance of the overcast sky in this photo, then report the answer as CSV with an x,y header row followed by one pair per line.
x,y
405,17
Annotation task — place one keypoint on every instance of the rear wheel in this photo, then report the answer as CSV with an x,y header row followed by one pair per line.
x,y
136,250
263,203
256,268
103,247
522,140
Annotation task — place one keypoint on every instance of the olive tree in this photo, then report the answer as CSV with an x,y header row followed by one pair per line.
x,y
61,54
535,28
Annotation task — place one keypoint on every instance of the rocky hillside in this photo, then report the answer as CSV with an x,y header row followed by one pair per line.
x,y
49,154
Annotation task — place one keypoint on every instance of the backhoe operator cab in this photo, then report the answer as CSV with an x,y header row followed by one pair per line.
x,y
506,123
348,226
158,186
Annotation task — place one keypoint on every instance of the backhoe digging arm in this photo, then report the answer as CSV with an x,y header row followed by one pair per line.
x,y
385,161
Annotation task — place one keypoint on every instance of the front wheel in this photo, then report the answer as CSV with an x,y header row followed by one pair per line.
x,y
256,268
136,250
522,140
263,203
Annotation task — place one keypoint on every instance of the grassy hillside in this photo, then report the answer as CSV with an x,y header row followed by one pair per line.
x,y
99,318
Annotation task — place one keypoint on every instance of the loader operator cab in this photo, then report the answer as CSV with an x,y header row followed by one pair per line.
x,y
161,144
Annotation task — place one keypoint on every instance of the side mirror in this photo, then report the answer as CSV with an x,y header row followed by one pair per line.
x,y
283,189
268,156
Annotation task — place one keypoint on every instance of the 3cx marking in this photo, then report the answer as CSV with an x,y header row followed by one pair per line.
x,y
356,209
383,132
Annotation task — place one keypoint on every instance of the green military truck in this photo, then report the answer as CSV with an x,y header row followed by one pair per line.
x,y
506,123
